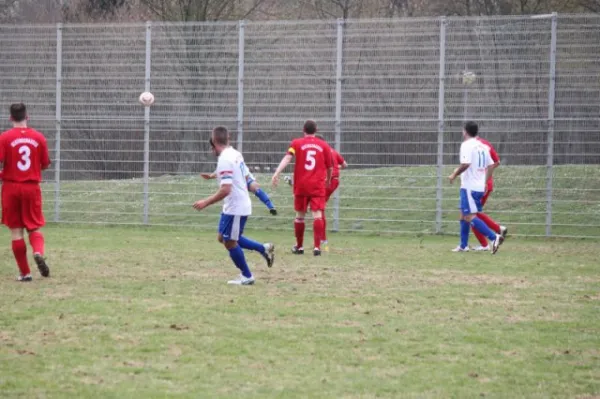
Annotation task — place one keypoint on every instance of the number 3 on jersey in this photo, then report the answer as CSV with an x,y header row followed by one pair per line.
x,y
311,161
25,163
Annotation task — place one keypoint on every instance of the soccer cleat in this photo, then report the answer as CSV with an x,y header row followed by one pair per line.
x,y
504,231
42,265
324,246
481,248
459,249
25,279
273,211
497,242
241,280
316,252
297,250
269,255
289,180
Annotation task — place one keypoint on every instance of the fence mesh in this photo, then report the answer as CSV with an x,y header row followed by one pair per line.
x,y
263,79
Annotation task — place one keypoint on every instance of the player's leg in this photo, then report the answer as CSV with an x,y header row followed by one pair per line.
x,y
334,185
317,206
11,218
267,250
463,205
474,200
301,206
253,187
33,219
230,227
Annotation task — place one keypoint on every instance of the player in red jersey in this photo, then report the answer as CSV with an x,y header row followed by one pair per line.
x,y
486,219
312,176
24,154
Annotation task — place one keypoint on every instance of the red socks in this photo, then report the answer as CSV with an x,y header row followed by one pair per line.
x,y
319,231
299,227
20,251
36,239
480,237
491,223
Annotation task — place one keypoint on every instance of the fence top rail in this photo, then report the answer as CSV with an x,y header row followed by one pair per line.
x,y
394,20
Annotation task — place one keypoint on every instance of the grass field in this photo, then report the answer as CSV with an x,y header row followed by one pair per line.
x,y
399,199
145,313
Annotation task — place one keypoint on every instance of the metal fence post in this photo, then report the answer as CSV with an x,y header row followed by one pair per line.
x,y
147,124
58,114
240,105
338,112
440,149
551,97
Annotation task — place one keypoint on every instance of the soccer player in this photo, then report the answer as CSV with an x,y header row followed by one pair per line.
x,y
475,169
491,223
237,207
312,176
24,154
253,187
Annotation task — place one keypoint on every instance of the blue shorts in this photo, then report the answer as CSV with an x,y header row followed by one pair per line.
x,y
231,227
470,201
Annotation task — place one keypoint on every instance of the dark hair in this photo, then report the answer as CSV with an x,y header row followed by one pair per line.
x,y
18,112
320,137
310,127
220,135
471,128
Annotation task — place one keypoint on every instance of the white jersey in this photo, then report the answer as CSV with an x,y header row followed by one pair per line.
x,y
477,154
231,170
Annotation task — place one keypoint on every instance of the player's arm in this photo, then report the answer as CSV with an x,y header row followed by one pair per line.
x,y
287,159
465,162
492,165
341,161
208,176
329,165
225,170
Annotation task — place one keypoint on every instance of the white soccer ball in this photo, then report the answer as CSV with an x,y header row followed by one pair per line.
x,y
146,99
468,77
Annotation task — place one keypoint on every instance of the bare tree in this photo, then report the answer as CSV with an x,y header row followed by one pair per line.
x,y
590,5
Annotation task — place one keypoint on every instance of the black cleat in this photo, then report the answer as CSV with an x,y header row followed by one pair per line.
x,y
42,265
297,251
316,252
25,279
273,211
269,254
496,244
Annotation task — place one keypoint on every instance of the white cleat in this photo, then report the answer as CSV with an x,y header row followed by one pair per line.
x,y
503,231
460,249
241,280
496,244
481,248
269,254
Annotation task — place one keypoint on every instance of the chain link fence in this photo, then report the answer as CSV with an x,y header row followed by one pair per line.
x,y
391,95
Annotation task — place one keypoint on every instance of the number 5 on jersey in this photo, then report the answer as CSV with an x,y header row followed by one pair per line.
x,y
311,161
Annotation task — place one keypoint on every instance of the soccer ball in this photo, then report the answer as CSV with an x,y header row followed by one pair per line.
x,y
468,77
146,99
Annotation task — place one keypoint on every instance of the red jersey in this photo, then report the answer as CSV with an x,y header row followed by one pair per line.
x,y
24,154
313,158
495,158
337,161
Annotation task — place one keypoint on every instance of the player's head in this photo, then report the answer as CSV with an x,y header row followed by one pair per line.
x,y
219,139
470,130
18,113
310,127
320,137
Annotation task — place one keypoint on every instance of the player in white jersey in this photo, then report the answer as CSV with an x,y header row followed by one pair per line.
x,y
476,167
237,207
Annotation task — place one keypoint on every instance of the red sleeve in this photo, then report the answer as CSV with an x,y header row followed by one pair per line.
x,y
494,154
45,156
293,147
328,157
2,149
340,158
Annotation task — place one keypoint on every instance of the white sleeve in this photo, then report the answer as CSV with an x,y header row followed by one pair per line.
x,y
489,159
225,171
466,155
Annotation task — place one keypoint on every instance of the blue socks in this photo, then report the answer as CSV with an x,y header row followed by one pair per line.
x,y
251,245
482,228
464,234
264,198
238,258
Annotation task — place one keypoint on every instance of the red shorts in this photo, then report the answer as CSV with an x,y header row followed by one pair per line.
x,y
485,197
22,206
335,183
301,203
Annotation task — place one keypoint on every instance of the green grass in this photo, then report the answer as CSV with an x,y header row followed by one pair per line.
x,y
144,313
400,199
